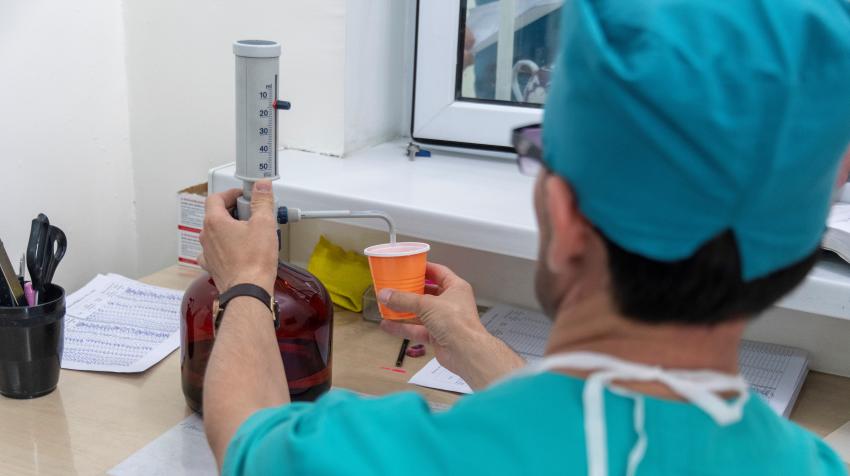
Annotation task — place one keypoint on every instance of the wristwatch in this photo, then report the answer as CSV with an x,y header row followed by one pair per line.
x,y
245,289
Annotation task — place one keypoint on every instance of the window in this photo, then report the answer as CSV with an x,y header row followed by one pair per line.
x,y
485,74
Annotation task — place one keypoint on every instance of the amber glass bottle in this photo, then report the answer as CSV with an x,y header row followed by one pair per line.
x,y
304,336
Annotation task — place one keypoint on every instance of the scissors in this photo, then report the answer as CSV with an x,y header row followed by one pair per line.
x,y
45,250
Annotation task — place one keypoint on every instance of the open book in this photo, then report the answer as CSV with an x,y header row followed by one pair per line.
x,y
837,236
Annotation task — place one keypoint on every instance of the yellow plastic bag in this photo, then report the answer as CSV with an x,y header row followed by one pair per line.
x,y
345,274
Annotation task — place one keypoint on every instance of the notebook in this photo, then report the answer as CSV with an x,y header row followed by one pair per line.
x,y
776,372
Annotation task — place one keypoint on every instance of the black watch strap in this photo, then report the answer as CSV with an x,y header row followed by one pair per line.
x,y
249,290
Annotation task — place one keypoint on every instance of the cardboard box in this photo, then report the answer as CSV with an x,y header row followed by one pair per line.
x,y
190,222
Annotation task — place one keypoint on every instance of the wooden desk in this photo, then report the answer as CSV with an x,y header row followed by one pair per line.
x,y
93,421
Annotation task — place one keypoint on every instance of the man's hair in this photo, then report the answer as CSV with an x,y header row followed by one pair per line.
x,y
705,288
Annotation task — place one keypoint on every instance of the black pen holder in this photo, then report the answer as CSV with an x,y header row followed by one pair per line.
x,y
31,340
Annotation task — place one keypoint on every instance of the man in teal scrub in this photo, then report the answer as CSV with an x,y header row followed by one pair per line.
x,y
688,156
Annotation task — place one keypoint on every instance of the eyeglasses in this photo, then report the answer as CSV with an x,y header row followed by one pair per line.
x,y
528,143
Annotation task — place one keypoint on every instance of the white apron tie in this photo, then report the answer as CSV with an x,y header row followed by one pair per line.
x,y
700,387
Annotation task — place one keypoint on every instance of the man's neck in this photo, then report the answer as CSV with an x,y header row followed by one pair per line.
x,y
593,325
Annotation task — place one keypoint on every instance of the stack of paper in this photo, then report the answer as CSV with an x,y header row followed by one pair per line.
x,y
115,324
775,372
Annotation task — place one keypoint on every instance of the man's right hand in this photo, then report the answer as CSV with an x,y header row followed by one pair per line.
x,y
451,324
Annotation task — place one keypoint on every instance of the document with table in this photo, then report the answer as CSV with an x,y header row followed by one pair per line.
x,y
775,372
116,324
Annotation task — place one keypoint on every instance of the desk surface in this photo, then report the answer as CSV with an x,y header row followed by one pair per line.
x,y
93,421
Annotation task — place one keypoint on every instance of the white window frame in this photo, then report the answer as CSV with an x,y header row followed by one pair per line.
x,y
437,116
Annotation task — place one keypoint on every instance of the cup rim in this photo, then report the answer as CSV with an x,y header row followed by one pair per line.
x,y
376,250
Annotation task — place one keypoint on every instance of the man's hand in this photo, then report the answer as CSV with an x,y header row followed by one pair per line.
x,y
236,251
245,356
452,326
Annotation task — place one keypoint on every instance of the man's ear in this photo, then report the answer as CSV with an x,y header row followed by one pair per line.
x,y
568,229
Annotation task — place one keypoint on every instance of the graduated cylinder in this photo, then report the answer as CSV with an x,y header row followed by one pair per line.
x,y
257,65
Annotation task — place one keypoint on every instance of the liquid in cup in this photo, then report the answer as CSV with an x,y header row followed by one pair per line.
x,y
399,266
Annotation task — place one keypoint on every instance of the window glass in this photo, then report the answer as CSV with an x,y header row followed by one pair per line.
x,y
497,66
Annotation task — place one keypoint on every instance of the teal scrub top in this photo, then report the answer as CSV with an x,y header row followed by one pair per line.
x,y
528,426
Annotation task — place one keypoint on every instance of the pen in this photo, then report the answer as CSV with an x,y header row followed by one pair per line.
x,y
29,294
21,276
11,291
401,352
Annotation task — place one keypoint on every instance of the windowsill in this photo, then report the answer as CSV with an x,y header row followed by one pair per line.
x,y
475,203
482,204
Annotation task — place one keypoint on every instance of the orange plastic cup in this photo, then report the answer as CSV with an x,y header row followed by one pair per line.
x,y
399,266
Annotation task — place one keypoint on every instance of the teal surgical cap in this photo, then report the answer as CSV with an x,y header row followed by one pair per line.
x,y
677,120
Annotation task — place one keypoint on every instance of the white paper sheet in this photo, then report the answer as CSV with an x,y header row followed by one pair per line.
x,y
116,324
839,440
434,375
181,451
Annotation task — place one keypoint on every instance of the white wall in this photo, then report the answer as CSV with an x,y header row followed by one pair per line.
x,y
377,70
180,68
140,104
64,135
